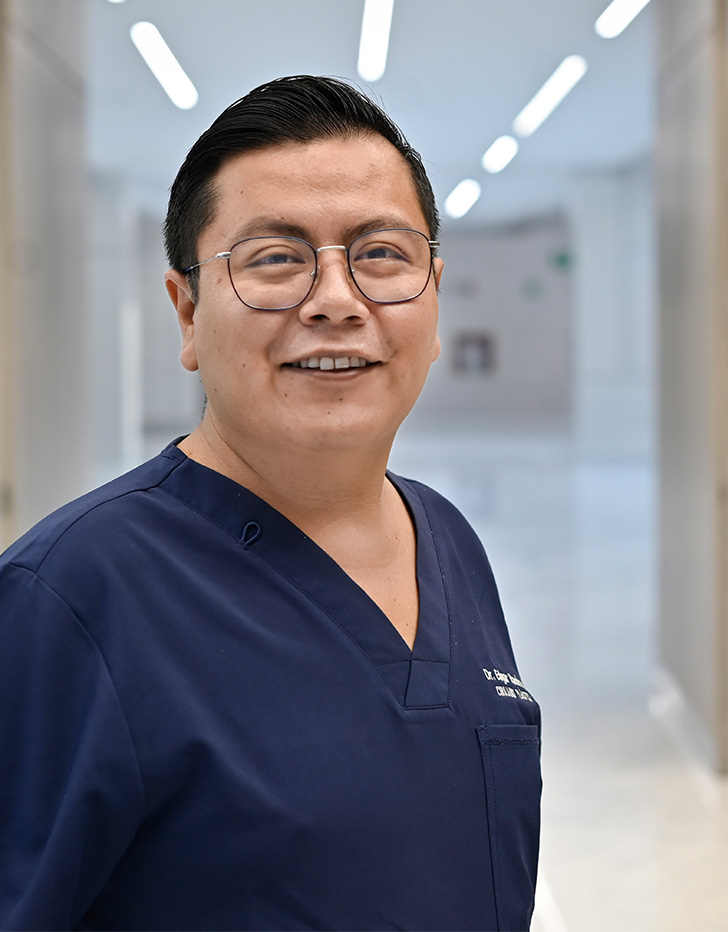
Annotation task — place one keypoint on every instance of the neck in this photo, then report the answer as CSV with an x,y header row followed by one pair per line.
x,y
341,499
312,487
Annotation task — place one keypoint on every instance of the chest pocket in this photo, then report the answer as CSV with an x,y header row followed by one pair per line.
x,y
512,771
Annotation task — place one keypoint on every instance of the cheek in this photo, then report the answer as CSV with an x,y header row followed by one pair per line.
x,y
234,346
215,345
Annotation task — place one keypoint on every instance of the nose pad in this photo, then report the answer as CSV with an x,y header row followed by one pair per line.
x,y
316,272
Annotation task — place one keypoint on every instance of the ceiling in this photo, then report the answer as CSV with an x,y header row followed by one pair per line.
x,y
458,72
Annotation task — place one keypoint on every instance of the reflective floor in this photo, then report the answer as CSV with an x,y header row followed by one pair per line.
x,y
635,829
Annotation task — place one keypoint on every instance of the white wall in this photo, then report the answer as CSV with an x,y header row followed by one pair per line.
x,y
172,397
614,377
115,330
692,155
43,400
141,396
512,287
570,304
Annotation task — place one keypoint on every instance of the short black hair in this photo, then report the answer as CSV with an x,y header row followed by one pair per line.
x,y
298,108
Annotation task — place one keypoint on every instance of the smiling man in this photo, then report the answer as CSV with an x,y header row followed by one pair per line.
x,y
260,682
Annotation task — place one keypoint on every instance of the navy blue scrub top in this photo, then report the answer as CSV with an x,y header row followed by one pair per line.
x,y
206,724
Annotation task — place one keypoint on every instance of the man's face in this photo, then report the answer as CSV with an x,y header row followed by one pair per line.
x,y
326,192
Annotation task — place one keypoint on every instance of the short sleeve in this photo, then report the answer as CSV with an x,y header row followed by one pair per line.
x,y
71,796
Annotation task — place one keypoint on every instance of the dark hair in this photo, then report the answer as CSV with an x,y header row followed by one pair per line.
x,y
299,108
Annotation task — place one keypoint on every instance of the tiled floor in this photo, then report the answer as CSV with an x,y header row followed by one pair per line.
x,y
635,830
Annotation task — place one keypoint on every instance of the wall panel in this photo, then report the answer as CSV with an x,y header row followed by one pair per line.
x,y
44,396
691,160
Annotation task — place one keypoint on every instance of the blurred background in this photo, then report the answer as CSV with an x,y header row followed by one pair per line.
x,y
578,414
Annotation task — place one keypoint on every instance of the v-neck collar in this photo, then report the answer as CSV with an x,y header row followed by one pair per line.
x,y
419,678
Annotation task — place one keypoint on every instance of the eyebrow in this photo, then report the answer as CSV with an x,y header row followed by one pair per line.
x,y
270,226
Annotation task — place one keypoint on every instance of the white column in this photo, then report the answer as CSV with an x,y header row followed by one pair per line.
x,y
614,306
43,406
692,155
115,329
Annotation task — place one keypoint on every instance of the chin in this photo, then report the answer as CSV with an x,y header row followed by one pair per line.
x,y
345,432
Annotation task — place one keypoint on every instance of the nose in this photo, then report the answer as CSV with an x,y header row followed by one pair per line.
x,y
334,297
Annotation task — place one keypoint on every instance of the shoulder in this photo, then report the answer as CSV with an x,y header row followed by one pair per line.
x,y
94,510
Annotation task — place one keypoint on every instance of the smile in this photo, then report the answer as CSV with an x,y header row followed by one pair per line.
x,y
329,363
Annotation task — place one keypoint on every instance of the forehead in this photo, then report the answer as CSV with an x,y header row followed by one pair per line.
x,y
318,187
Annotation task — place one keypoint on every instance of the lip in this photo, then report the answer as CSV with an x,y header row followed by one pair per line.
x,y
331,362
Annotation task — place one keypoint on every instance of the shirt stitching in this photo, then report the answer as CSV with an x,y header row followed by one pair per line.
x,y
436,547
92,508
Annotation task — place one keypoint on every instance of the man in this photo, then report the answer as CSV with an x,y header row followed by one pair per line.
x,y
259,682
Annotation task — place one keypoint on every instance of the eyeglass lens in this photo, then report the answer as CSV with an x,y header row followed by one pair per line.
x,y
278,272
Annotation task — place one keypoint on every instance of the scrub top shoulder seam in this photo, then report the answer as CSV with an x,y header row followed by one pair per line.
x,y
96,648
89,511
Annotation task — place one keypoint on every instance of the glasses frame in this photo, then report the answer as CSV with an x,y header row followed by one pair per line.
x,y
433,244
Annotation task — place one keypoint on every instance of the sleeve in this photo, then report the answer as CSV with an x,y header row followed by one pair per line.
x,y
71,795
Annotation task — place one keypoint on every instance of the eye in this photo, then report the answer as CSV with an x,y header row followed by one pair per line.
x,y
377,251
277,258
269,256
381,252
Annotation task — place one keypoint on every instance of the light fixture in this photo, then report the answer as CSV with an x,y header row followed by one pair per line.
x,y
374,43
549,96
461,198
617,16
116,1
163,65
499,154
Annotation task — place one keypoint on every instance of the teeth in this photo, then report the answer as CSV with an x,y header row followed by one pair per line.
x,y
327,363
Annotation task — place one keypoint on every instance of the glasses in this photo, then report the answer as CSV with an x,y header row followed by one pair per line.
x,y
276,273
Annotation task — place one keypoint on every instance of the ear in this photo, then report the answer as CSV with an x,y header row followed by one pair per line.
x,y
438,265
179,291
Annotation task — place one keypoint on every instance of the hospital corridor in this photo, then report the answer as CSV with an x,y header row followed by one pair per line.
x,y
577,413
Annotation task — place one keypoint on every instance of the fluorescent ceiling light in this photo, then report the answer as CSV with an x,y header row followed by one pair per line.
x,y
549,96
617,16
374,43
116,1
499,154
462,198
163,65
